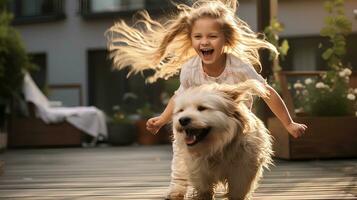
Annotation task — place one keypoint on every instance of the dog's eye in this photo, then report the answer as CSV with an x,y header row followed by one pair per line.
x,y
179,110
201,108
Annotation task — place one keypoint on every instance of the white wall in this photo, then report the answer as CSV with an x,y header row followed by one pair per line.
x,y
306,17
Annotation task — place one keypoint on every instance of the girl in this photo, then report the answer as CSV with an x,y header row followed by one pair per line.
x,y
208,43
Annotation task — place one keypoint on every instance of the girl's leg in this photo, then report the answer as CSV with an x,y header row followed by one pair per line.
x,y
178,184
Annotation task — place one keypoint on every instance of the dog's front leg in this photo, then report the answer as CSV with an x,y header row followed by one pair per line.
x,y
201,189
242,184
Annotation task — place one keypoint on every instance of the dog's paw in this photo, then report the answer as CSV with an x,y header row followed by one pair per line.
x,y
193,194
174,196
175,192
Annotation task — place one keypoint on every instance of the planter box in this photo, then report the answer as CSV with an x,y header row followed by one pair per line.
x,y
144,137
326,137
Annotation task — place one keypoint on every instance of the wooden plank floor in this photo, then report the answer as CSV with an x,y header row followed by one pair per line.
x,y
141,172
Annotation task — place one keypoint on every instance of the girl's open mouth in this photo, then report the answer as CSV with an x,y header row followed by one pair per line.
x,y
207,52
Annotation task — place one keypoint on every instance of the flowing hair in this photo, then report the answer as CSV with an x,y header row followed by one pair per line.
x,y
165,47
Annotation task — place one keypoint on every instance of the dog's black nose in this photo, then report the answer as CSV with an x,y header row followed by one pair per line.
x,y
184,121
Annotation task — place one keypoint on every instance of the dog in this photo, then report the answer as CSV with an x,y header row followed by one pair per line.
x,y
220,140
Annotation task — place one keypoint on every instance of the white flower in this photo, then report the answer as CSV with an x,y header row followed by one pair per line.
x,y
355,91
299,110
308,81
356,113
298,85
342,74
347,79
305,92
351,97
320,85
347,71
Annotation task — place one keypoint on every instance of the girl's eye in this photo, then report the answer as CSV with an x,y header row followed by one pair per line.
x,y
197,37
201,108
213,36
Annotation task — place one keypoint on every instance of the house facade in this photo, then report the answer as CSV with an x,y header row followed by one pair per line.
x,y
66,40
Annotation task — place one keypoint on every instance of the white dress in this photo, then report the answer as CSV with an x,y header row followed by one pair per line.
x,y
236,71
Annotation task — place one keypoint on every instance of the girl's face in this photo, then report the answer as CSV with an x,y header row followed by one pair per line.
x,y
208,41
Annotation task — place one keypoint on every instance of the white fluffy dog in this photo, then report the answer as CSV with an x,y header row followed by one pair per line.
x,y
220,139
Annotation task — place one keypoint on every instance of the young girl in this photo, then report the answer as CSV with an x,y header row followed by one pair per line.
x,y
208,43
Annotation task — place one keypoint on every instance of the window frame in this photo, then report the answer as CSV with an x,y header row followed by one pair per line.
x,y
57,15
86,13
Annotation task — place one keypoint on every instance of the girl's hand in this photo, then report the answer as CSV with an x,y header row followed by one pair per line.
x,y
154,124
296,129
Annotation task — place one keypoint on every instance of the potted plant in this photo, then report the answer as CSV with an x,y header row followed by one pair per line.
x,y
13,63
122,130
323,100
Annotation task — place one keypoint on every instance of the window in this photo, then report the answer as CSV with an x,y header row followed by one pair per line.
x,y
37,10
115,5
305,54
39,75
123,8
108,88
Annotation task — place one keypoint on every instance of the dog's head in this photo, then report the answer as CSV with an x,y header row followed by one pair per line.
x,y
212,115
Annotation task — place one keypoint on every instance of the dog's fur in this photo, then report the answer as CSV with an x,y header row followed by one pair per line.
x,y
237,146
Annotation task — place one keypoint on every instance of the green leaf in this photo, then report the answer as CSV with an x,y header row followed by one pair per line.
x,y
327,32
284,48
340,51
327,54
328,6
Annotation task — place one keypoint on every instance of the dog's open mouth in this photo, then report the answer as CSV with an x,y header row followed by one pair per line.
x,y
193,136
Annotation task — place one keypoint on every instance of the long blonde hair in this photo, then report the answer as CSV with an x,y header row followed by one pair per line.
x,y
164,47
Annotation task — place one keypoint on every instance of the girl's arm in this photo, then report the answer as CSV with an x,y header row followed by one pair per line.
x,y
154,124
277,105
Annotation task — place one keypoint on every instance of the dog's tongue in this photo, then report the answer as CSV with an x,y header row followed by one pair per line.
x,y
190,139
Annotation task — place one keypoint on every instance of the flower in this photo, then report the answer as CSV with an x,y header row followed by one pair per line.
x,y
351,96
345,72
299,110
120,116
328,95
298,85
320,85
308,81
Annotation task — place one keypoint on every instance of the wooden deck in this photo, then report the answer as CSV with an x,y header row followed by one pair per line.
x,y
143,173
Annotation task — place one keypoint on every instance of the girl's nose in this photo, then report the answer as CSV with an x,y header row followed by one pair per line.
x,y
204,41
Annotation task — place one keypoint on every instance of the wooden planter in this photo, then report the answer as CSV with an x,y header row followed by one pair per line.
x,y
144,137
326,137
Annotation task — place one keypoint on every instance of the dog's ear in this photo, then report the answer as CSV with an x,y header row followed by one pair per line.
x,y
243,91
